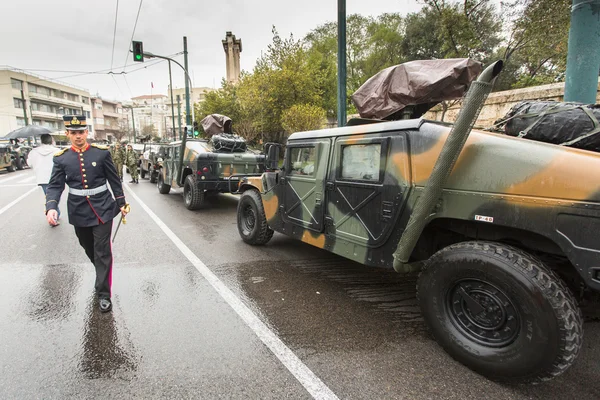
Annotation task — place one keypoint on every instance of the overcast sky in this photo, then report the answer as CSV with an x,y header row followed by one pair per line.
x,y
78,35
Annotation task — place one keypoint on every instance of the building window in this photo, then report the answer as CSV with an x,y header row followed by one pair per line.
x,y
99,121
36,122
39,89
87,114
20,121
16,84
98,106
71,97
85,100
18,103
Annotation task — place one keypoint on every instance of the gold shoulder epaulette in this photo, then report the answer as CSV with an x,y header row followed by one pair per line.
x,y
99,146
60,153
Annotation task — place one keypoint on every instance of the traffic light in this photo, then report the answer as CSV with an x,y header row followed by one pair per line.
x,y
196,131
138,51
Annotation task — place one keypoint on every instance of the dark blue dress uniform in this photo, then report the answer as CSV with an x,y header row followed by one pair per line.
x,y
91,206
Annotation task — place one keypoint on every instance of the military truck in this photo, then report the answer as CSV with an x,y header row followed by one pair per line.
x,y
502,231
7,160
201,171
150,164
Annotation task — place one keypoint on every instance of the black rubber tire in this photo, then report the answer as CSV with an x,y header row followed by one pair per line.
x,y
154,176
20,164
12,167
193,196
250,206
162,187
547,326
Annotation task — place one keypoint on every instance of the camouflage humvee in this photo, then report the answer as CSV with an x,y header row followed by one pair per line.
x,y
203,171
500,239
6,158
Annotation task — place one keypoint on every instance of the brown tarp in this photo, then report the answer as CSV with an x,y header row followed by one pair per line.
x,y
216,123
415,82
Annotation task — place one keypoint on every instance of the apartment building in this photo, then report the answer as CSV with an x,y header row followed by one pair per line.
x,y
110,120
27,98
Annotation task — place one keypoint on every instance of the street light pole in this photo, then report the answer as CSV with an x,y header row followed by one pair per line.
x,y
341,89
172,105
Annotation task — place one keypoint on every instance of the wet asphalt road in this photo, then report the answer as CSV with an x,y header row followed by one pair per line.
x,y
172,335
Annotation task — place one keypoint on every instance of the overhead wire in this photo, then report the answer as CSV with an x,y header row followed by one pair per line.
x,y
133,33
114,36
82,73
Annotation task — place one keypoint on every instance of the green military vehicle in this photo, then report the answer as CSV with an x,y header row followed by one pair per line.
x,y
202,171
502,230
7,160
150,162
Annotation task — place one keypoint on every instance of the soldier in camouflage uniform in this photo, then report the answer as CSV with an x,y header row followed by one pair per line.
x,y
131,160
119,158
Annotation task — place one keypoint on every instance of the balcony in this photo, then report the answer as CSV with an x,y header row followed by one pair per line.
x,y
47,115
58,100
111,114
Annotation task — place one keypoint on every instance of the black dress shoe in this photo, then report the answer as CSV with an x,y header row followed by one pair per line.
x,y
105,305
132,181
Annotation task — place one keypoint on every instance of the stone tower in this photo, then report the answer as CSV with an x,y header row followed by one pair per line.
x,y
233,48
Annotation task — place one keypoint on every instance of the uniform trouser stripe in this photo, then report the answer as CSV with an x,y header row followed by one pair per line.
x,y
95,240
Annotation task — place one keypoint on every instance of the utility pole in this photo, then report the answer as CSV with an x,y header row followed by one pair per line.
x,y
133,124
188,114
172,105
341,89
179,114
583,58
24,107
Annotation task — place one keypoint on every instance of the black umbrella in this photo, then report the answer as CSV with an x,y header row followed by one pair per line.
x,y
27,131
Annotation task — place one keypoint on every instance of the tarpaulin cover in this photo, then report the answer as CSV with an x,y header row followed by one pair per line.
x,y
228,143
567,124
415,82
216,123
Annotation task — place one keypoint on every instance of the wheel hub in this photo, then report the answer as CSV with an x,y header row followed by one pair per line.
x,y
249,218
483,313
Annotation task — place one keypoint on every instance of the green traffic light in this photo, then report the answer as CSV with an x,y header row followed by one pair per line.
x,y
138,56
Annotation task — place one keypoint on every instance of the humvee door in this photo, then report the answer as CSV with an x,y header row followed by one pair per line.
x,y
367,187
304,183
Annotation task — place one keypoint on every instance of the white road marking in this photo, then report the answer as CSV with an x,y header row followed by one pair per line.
x,y
2,180
18,184
303,374
17,200
27,179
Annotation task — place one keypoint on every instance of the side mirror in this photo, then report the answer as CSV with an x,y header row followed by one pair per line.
x,y
272,161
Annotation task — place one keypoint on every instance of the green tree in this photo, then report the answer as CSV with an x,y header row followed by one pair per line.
x,y
537,46
302,117
222,101
282,78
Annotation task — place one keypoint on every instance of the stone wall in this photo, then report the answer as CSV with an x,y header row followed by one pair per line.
x,y
499,103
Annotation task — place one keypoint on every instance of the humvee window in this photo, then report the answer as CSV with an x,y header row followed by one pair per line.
x,y
361,162
302,160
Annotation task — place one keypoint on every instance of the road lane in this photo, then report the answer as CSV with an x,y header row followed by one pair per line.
x,y
170,334
359,329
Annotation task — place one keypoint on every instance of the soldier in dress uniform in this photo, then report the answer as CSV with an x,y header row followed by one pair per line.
x,y
86,169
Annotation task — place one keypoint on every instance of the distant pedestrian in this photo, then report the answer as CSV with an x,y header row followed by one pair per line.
x,y
119,158
41,160
87,169
132,161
